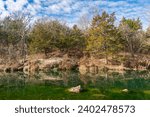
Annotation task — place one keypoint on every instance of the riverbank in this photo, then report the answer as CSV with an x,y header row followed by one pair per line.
x,y
39,62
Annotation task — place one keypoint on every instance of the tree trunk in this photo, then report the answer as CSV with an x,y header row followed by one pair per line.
x,y
106,59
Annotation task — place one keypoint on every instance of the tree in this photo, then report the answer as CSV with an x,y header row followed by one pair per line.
x,y
77,41
84,22
75,38
147,44
133,38
102,35
148,34
45,36
14,30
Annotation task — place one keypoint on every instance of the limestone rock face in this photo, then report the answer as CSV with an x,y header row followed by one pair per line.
x,y
68,64
76,89
17,67
93,69
1,68
83,69
49,63
12,67
41,64
137,63
31,66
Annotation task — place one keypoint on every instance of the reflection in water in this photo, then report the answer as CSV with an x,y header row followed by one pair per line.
x,y
106,84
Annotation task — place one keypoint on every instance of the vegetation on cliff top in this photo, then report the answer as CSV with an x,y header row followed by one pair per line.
x,y
102,38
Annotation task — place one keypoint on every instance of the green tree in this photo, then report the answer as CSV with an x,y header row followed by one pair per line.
x,y
103,35
45,36
74,39
78,38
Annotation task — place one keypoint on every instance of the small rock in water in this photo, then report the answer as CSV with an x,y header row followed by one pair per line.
x,y
76,89
125,90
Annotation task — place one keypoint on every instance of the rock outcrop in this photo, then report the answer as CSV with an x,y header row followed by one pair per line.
x,y
45,64
12,67
41,64
68,64
84,65
92,65
51,63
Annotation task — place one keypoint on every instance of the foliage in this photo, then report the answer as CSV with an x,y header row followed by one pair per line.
x,y
103,36
74,39
13,35
45,36
49,35
133,38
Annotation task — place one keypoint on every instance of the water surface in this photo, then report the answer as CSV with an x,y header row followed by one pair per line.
x,y
54,85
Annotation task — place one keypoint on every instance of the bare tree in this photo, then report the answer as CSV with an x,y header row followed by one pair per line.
x,y
14,30
84,22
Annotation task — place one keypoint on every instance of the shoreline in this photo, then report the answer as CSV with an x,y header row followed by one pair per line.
x,y
83,65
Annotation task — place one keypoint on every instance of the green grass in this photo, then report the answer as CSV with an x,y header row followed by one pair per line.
x,y
17,87
39,92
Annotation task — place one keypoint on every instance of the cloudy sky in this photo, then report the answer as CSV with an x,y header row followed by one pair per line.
x,y
71,10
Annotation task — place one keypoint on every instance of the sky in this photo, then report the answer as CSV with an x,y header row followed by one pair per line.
x,y
70,11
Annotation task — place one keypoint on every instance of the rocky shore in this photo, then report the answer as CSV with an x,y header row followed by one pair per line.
x,y
84,65
30,66
94,65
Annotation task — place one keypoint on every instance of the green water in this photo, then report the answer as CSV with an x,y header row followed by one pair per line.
x,y
102,86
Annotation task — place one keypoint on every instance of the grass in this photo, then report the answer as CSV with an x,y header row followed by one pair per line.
x,y
35,92
14,87
39,92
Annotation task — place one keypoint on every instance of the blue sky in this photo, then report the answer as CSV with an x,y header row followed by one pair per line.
x,y
71,10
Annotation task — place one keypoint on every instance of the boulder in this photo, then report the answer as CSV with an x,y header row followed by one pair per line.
x,y
125,90
76,89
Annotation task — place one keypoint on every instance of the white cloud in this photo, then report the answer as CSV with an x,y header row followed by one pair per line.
x,y
3,13
1,5
62,6
15,6
31,9
72,10
38,1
